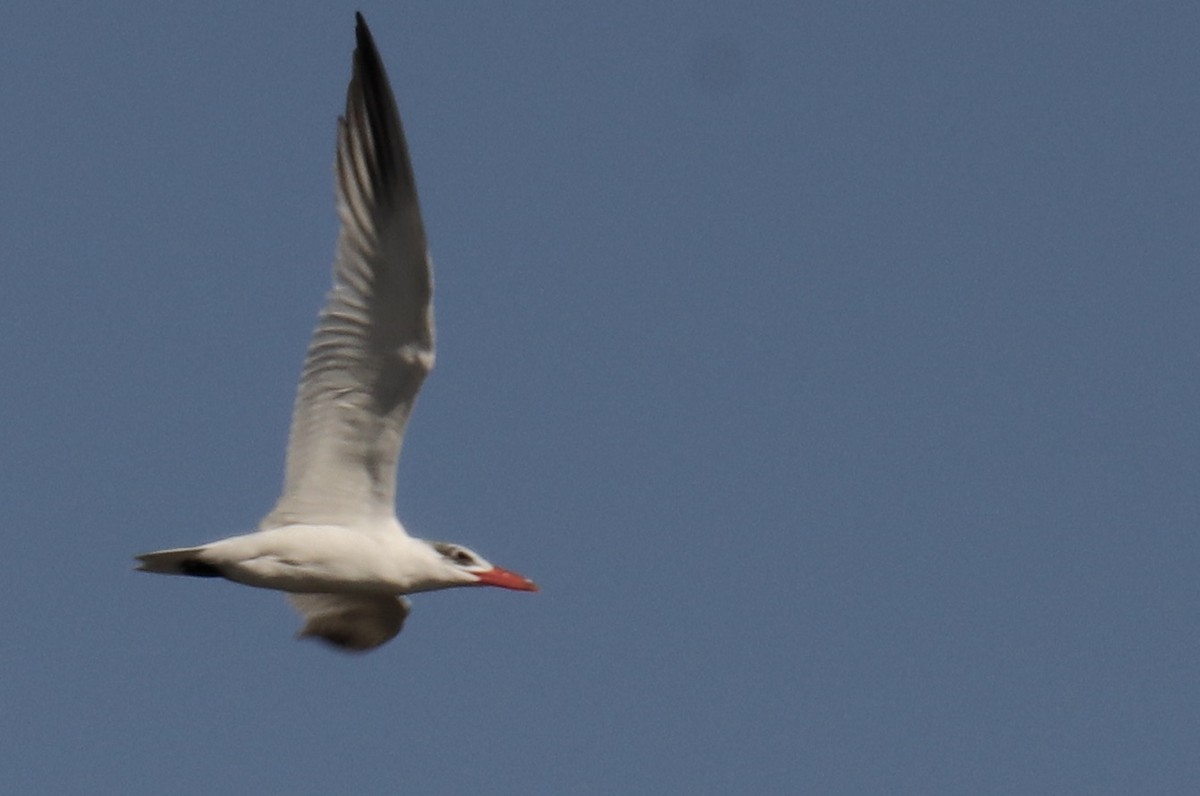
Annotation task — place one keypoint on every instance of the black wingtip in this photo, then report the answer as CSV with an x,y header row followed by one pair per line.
x,y
362,32
366,57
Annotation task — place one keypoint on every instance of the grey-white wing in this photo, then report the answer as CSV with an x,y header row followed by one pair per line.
x,y
374,340
354,622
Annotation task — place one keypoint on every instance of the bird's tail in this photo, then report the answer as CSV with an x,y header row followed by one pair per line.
x,y
180,561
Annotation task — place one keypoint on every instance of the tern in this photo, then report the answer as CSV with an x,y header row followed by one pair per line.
x,y
333,542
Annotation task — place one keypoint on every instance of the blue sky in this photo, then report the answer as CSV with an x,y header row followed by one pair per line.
x,y
833,368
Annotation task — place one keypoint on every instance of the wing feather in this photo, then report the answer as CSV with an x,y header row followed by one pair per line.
x,y
374,340
354,622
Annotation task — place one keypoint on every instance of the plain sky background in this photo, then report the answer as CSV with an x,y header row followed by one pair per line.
x,y
833,367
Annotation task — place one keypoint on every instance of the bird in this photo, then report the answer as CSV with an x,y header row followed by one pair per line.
x,y
333,542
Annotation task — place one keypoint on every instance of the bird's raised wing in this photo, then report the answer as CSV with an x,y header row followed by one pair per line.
x,y
374,341
356,622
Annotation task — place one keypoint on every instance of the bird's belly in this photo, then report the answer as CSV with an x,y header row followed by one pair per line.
x,y
321,559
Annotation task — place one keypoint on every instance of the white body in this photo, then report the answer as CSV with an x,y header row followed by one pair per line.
x,y
332,558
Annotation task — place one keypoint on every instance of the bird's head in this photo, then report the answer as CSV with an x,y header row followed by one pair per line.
x,y
477,571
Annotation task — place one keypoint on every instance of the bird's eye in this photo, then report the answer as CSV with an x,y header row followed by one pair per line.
x,y
463,557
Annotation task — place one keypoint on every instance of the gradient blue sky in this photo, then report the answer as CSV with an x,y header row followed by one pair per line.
x,y
832,366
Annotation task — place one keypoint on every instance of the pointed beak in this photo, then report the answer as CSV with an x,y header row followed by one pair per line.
x,y
505,580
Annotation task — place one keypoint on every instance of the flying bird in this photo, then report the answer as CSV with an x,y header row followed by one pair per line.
x,y
333,542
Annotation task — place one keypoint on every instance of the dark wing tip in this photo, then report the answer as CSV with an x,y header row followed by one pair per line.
x,y
371,105
364,40
368,66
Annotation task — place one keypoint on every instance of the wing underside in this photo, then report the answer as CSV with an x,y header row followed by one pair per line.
x,y
351,622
